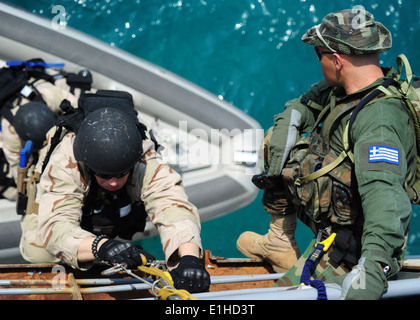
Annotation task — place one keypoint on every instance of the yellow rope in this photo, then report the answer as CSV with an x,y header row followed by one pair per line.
x,y
166,292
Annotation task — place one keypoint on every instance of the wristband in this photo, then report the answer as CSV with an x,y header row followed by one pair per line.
x,y
95,245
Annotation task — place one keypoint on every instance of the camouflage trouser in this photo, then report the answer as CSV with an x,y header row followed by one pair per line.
x,y
31,246
324,270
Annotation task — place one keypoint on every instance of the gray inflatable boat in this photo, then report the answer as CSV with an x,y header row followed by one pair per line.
x,y
211,143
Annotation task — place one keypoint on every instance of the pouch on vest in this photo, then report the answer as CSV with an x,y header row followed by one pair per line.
x,y
113,216
81,80
347,248
326,199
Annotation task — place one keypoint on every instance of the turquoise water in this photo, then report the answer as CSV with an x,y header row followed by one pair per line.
x,y
247,52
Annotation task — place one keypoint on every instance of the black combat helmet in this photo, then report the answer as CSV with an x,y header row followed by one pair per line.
x,y
108,142
32,121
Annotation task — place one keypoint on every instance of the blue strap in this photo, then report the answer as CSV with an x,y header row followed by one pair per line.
x,y
307,270
25,153
320,287
30,64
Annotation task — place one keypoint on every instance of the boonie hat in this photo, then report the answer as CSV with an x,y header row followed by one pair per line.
x,y
350,31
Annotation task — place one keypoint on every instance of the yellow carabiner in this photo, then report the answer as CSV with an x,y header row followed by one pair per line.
x,y
327,242
143,259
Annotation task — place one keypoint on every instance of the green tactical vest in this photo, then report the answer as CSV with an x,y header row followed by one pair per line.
x,y
321,196
320,180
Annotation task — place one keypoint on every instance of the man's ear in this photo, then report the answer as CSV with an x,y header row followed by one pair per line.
x,y
338,61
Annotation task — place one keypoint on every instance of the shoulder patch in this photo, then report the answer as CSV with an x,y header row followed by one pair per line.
x,y
378,156
381,153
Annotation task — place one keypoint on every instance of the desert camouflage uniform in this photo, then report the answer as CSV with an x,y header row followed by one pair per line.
x,y
62,191
52,94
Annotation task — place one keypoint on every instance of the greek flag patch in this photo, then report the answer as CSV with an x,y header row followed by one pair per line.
x,y
384,154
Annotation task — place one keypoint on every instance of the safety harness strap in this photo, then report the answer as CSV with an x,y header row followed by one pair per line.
x,y
310,103
374,94
323,170
402,61
310,264
346,136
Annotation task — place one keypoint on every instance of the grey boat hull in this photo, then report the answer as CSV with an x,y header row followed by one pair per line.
x,y
173,107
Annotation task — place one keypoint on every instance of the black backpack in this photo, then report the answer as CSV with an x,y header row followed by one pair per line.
x,y
18,79
70,121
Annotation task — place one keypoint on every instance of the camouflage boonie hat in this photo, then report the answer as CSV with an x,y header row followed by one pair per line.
x,y
350,31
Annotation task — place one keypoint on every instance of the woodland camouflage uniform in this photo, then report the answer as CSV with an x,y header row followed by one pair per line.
x,y
367,198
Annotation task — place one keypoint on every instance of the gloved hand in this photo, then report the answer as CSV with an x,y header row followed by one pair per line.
x,y
191,275
366,281
114,251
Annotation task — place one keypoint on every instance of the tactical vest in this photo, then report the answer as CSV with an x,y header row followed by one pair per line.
x,y
112,213
320,180
327,198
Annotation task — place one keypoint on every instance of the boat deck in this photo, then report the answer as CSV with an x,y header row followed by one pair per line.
x,y
230,279
57,282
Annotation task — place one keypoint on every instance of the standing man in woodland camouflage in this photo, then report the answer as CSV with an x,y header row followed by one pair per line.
x,y
350,179
101,183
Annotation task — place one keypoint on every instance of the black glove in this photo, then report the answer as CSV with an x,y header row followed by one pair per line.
x,y
191,275
114,251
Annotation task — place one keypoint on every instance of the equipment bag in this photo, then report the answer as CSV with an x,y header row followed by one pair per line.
x,y
12,81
